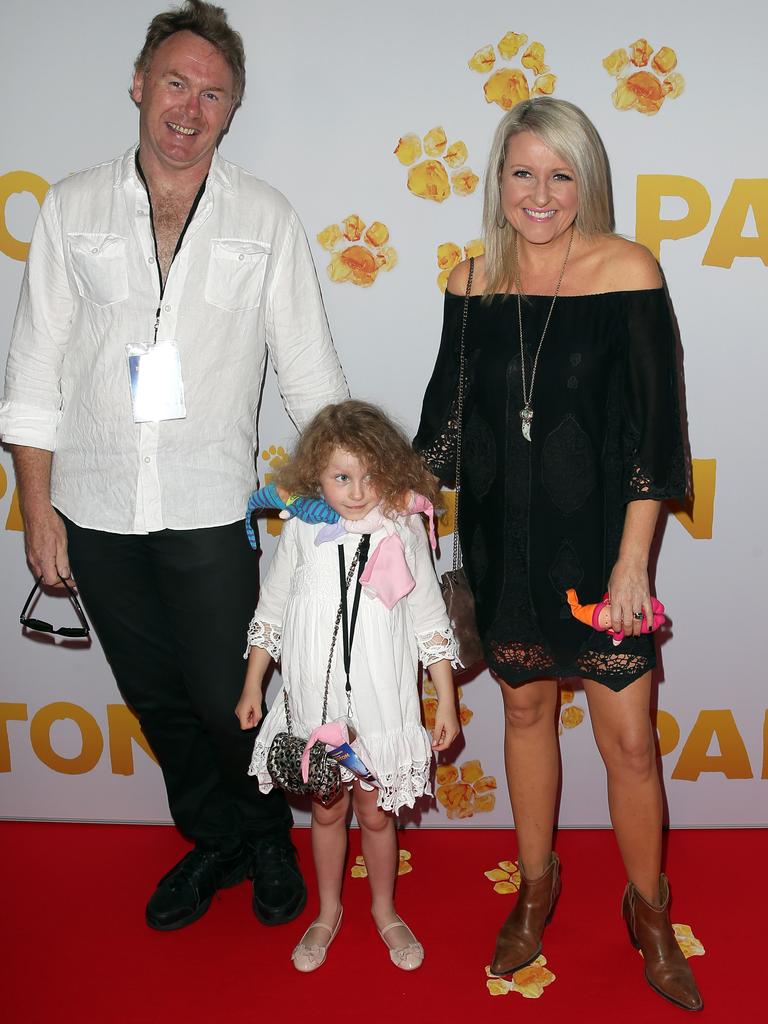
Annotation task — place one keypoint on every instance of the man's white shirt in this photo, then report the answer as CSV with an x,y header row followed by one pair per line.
x,y
243,283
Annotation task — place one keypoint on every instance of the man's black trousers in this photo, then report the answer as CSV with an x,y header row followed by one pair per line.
x,y
171,610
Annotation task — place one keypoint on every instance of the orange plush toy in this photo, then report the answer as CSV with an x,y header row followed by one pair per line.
x,y
598,616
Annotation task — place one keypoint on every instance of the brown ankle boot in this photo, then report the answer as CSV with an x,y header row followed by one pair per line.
x,y
650,931
519,941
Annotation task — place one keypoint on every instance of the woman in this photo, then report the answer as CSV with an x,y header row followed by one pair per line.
x,y
570,440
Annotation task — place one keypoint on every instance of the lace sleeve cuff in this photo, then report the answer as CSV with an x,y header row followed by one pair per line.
x,y
440,455
266,635
641,484
438,645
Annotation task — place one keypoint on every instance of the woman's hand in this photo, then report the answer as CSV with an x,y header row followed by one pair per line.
x,y
628,588
630,596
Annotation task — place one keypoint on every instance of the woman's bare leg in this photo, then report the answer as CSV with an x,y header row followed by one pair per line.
x,y
532,764
624,735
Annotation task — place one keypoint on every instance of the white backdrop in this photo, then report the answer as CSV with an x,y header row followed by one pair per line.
x,y
332,87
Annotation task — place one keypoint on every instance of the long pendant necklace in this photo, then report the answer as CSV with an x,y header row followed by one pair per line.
x,y
526,413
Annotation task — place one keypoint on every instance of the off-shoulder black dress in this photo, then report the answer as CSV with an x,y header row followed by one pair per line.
x,y
539,517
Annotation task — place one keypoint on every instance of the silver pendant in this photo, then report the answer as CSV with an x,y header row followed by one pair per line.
x,y
526,418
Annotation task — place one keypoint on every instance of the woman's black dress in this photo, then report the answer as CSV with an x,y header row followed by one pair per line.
x,y
539,517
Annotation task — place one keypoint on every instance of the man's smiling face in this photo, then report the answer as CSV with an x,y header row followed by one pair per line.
x,y
185,101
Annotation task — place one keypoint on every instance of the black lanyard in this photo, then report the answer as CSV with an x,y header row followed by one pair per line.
x,y
187,222
347,625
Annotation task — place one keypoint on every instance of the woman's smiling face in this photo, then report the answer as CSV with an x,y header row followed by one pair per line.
x,y
539,197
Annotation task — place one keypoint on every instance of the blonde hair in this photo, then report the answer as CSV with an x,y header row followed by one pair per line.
x,y
369,434
567,131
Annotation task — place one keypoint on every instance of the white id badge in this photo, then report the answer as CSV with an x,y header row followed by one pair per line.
x,y
157,390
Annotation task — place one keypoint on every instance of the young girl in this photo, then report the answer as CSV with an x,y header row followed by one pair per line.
x,y
362,465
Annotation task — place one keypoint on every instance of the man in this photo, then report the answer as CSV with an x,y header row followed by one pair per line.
x,y
154,286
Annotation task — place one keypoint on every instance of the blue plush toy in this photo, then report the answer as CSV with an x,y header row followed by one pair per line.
x,y
308,510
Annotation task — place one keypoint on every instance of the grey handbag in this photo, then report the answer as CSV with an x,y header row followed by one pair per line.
x,y
457,594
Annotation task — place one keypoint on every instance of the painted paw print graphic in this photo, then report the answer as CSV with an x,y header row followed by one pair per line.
x,y
644,90
360,261
277,457
507,85
449,256
429,178
505,876
466,791
404,866
529,981
571,716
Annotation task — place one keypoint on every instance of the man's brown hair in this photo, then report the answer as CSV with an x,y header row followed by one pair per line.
x,y
207,21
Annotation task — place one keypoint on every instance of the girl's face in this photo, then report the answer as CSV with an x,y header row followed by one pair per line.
x,y
346,486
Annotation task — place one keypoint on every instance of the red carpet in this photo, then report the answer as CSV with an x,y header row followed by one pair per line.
x,y
77,949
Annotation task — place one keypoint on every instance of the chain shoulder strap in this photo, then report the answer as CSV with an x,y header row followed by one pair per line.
x,y
350,574
460,415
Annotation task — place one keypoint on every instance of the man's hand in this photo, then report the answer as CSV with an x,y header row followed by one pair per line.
x,y
45,544
45,537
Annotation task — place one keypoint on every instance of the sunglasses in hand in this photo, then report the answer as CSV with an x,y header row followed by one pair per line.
x,y
83,630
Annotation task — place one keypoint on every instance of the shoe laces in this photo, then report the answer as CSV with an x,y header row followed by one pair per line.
x,y
271,856
194,867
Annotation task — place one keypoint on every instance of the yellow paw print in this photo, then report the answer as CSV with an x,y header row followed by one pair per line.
x,y
466,791
505,877
449,256
529,981
507,86
360,261
687,941
404,866
429,704
644,91
429,178
572,716
277,457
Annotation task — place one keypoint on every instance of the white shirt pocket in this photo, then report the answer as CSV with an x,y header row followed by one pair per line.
x,y
236,271
99,266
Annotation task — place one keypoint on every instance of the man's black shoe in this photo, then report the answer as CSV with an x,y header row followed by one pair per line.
x,y
185,893
279,893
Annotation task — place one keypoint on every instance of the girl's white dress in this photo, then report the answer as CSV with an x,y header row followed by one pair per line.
x,y
294,622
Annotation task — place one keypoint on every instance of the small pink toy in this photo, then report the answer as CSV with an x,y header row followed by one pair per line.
x,y
333,734
598,616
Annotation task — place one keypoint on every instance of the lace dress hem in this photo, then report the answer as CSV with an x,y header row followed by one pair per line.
x,y
409,749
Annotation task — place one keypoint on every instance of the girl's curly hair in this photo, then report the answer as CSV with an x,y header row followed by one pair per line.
x,y
366,432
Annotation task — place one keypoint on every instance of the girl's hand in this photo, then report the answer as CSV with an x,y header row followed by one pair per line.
x,y
248,708
446,725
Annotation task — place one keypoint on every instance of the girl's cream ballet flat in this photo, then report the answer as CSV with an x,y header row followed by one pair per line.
x,y
410,957
308,958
